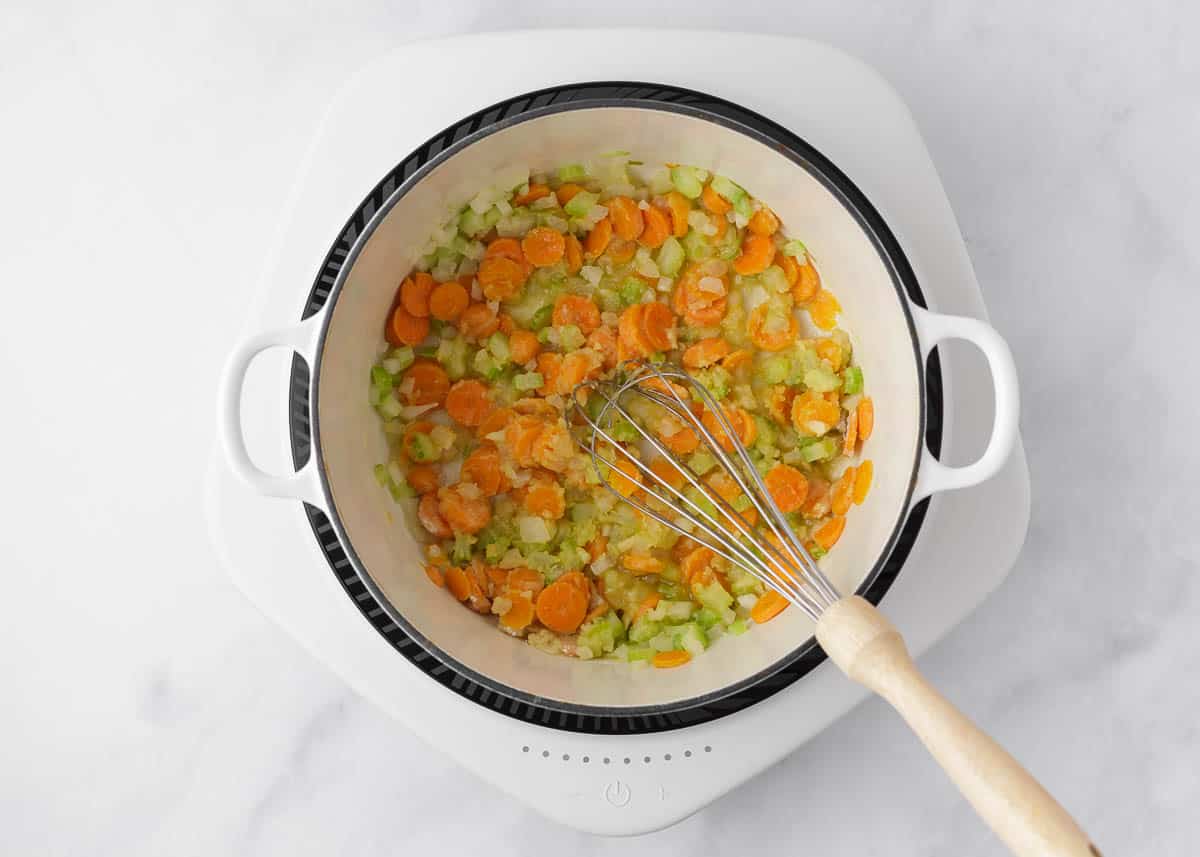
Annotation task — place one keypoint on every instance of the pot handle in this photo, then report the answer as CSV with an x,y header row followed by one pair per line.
x,y
933,328
300,485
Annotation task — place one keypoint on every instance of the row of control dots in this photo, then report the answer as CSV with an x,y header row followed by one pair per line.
x,y
566,757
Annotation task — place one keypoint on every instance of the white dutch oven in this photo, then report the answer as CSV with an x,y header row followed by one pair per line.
x,y
860,262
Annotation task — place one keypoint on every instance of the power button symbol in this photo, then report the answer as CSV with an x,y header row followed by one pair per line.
x,y
617,793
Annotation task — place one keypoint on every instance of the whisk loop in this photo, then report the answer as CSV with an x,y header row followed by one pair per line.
x,y
766,547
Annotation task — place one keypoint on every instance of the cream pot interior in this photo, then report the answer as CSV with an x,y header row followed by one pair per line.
x,y
350,440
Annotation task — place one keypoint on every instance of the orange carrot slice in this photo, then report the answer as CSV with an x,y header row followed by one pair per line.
x,y
627,219
468,402
543,246
423,478
657,230
567,192
459,583
807,284
850,441
403,328
482,467
673,658
535,192
414,294
501,278
464,513
562,606
714,202
523,346
545,499
758,251
642,563
435,576
787,486
843,492
866,418
577,310
829,532
519,616
447,301
597,240
763,222
679,207
431,518
478,322
496,421
862,481
770,605
770,340
573,252
705,353
430,383
509,248
658,326
824,309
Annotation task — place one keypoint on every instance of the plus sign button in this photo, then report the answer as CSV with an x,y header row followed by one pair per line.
x,y
617,793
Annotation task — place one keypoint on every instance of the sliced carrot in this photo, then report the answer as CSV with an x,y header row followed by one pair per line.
x,y
521,579
650,602
720,224
829,532
630,330
809,408
543,246
520,437
642,563
705,353
736,359
621,251
817,504
866,419
770,340
577,310
673,658
843,492
596,547
627,219
496,421
831,352
758,251
625,477
523,346
598,611
509,248
573,251
658,326
680,207
431,518
468,402
657,230
603,341
464,513
501,278
790,267
403,328
562,606
667,472
535,192
766,608
807,284
414,294
430,383
742,423
683,442
482,467
459,583
714,202
850,441
575,367
423,478
549,365
507,325
520,615
763,222
546,499
862,481
478,322
787,486
408,439
498,577
448,301
707,316
435,576
597,240
694,563
824,309
567,192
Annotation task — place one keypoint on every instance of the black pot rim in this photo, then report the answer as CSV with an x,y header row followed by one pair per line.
x,y
873,586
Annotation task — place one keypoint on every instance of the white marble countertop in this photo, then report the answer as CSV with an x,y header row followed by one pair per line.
x,y
150,710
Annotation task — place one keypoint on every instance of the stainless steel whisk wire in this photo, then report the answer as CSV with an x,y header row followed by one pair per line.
x,y
737,541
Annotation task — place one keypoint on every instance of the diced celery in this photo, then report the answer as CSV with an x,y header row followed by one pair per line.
x,y
608,300
730,245
639,653
581,203
400,491
738,627
420,447
460,554
643,628
570,337
697,246
401,357
817,551
743,208
670,590
820,449
775,279
795,248
713,596
541,318
632,291
486,364
452,354
728,189
692,639
498,345
686,181
572,172
822,379
622,430
701,462
715,379
376,395
528,381
663,641
390,408
852,380
670,257
381,378
426,351
774,370
706,617
381,475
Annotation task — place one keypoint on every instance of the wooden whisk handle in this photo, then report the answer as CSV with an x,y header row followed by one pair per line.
x,y
860,640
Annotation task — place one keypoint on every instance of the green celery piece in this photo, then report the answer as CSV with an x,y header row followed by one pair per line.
x,y
686,181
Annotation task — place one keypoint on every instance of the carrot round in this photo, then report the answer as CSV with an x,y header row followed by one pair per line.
x,y
597,240
679,206
630,330
478,322
468,402
414,294
621,251
770,340
763,222
673,658
695,562
501,278
543,246
403,328
787,486
509,248
548,366
770,605
603,341
627,219
683,442
866,419
409,438
850,441
758,251
430,383
829,351
447,301
575,367
464,513
807,284
482,468
597,546
519,616
705,353
791,269
577,310
625,477
459,583
567,192
520,437
843,492
714,202
535,192
657,230
823,309
737,358
523,346
562,606
521,579
423,478
573,252
810,407
546,499
658,324
496,421
829,532
435,576
667,472
642,563
862,481
430,516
